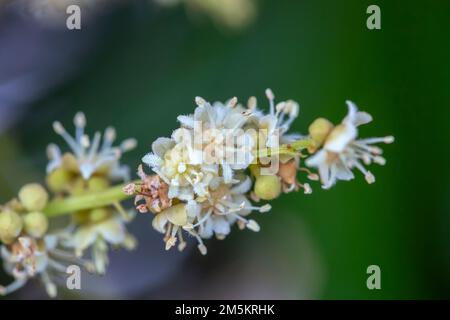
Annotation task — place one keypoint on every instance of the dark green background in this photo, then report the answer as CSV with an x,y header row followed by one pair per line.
x,y
148,68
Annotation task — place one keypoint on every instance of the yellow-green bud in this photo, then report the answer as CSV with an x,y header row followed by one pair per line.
x,y
33,197
81,217
10,226
319,130
98,214
97,184
177,214
58,179
36,224
267,187
78,187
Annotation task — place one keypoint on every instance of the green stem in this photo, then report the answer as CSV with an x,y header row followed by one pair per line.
x,y
287,149
115,194
71,204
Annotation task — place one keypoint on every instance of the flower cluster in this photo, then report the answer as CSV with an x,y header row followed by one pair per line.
x,y
225,155
337,149
207,177
28,250
90,166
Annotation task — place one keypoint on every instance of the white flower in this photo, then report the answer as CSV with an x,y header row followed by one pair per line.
x,y
28,257
217,136
204,217
90,156
224,206
342,151
172,162
278,122
171,222
98,235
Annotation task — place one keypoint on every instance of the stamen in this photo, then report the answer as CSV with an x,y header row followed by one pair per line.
x,y
233,102
307,188
292,108
128,144
265,208
79,120
280,107
95,145
271,97
379,160
200,101
84,141
370,178
201,247
50,287
58,127
110,135
253,225
251,103
311,175
70,258
387,140
190,226
182,243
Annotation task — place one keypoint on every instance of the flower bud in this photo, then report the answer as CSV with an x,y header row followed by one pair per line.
x,y
36,224
177,214
319,130
78,187
98,214
33,197
81,217
97,184
58,179
267,187
10,226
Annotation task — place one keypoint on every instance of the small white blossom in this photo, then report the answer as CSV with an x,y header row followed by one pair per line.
x,y
98,236
218,137
342,151
89,156
224,206
172,162
29,257
278,122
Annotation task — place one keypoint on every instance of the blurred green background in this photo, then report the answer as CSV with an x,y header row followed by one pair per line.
x,y
149,63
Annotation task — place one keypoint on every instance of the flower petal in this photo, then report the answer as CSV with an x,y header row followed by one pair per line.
x,y
162,145
112,230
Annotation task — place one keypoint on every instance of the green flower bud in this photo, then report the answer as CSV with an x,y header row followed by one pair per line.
x,y
98,214
78,187
10,226
81,217
58,179
97,184
177,214
319,130
36,224
33,197
267,187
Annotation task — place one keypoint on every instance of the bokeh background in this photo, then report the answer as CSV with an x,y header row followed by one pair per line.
x,y
138,64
